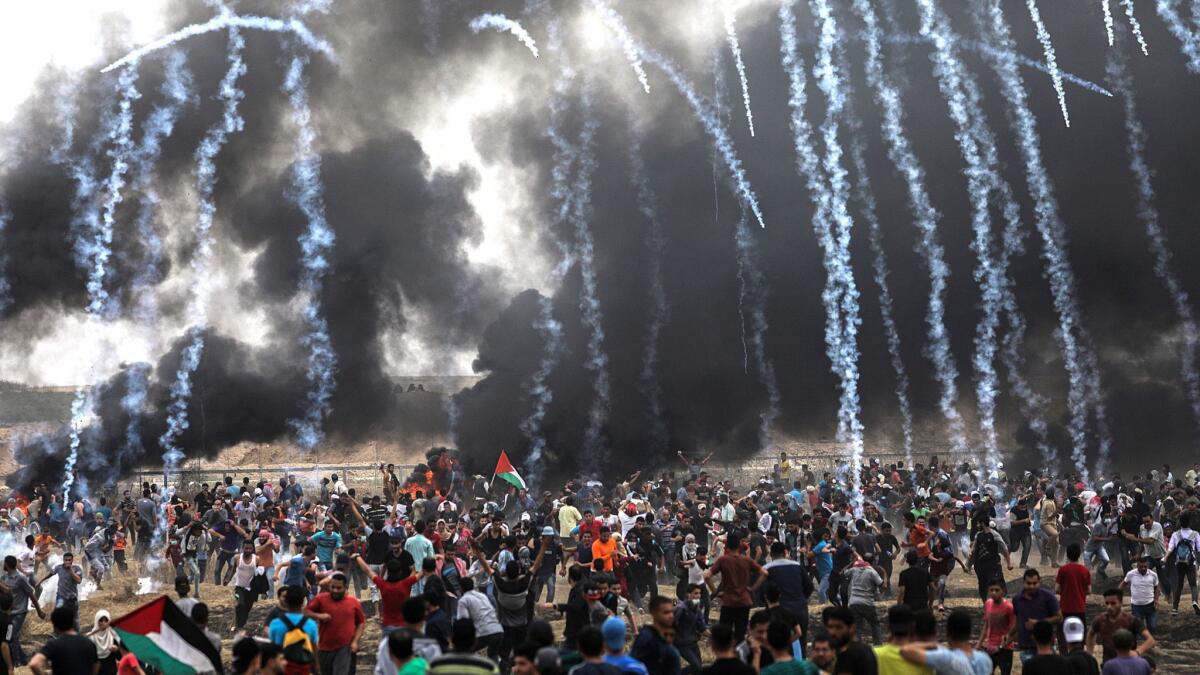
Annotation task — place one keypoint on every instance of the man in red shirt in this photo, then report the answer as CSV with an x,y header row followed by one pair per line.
x,y
1072,583
341,621
393,591
736,599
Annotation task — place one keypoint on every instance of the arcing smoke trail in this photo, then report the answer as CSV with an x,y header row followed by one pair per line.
x,y
197,308
1189,39
1108,20
901,153
120,152
830,81
870,212
754,288
628,44
231,22
1122,83
1135,26
550,330
990,51
651,383
736,50
1083,380
546,324
176,91
1043,36
810,167
316,243
700,108
93,241
589,301
503,23
720,95
978,149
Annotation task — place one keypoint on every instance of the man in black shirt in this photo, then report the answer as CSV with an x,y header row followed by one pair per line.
x,y
68,652
915,584
1019,534
853,657
1045,662
726,662
889,550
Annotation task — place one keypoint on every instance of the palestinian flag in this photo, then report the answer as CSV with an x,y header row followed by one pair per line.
x,y
160,634
506,472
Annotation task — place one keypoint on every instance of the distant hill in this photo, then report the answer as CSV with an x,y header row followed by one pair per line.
x,y
20,404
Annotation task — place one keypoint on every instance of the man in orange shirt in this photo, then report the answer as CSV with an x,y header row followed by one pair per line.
x,y
604,548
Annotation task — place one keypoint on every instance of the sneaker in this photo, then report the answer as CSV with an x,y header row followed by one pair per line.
x,y
1175,612
1196,608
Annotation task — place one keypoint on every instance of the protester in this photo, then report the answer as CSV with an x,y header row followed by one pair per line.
x,y
1114,619
68,652
1044,661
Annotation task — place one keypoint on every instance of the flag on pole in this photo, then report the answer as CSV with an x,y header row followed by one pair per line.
x,y
160,634
507,472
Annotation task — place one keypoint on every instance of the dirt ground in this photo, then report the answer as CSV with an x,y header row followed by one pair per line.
x,y
1177,653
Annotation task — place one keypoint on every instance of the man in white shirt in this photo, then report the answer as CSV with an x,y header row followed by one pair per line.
x,y
1185,545
1142,583
476,607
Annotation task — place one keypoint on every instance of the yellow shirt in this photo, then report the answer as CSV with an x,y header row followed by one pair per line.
x,y
785,470
891,663
568,518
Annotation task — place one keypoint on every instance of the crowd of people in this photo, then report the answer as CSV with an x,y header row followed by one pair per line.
x,y
682,572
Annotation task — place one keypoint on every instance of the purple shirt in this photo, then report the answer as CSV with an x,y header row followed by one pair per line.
x,y
1043,604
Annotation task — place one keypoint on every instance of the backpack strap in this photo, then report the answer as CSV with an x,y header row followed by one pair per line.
x,y
288,625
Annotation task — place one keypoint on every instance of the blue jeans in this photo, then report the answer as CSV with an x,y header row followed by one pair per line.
x,y
1147,613
549,583
823,589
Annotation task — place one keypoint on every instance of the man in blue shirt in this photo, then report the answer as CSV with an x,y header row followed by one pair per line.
x,y
327,542
419,546
824,558
614,642
293,599
1033,604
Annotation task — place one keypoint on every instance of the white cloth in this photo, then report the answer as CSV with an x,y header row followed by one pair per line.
x,y
1141,586
478,608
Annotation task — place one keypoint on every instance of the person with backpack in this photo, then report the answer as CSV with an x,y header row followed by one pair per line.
x,y
985,557
1185,546
295,633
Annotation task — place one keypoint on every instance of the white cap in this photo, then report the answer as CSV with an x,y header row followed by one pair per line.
x,y
1073,629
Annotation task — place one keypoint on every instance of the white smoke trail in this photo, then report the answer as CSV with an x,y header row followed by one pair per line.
x,y
1189,39
830,81
754,290
1135,26
316,243
990,51
866,199
503,23
92,224
633,53
1122,83
231,22
977,147
1108,20
120,153
177,91
1043,36
736,49
589,300
197,307
550,330
925,216
700,108
651,382
1083,379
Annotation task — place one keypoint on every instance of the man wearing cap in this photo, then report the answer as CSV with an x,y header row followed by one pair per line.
x,y
613,630
1081,661
552,557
